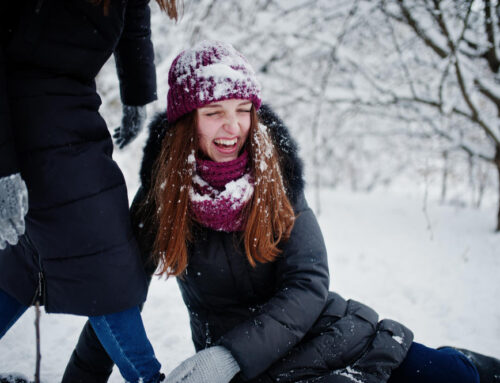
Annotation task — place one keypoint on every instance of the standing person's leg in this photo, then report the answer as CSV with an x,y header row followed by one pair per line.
x,y
427,365
10,311
89,362
123,337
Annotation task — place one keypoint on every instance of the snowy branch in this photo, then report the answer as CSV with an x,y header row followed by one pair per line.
x,y
415,25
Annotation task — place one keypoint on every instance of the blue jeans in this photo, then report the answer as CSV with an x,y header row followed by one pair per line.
x,y
10,311
121,334
424,364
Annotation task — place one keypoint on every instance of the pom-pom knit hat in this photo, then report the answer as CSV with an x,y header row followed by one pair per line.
x,y
210,71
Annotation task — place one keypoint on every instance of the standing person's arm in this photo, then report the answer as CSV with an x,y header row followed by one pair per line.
x,y
134,58
13,191
8,158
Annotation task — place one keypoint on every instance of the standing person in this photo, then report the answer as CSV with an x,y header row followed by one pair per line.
x,y
60,191
222,207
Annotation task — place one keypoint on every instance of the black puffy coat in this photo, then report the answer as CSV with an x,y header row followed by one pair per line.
x,y
78,243
278,319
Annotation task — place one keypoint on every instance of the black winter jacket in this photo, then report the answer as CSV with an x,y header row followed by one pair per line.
x,y
278,319
79,244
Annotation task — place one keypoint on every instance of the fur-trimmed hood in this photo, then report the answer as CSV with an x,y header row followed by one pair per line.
x,y
292,168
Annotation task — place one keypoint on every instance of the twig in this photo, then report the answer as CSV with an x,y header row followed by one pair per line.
x,y
37,330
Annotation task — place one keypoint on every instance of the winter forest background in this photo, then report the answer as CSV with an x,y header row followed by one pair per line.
x,y
396,108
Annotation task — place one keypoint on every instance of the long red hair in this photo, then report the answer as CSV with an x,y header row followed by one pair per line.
x,y
269,214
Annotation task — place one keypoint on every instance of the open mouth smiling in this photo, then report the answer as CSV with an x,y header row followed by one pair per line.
x,y
226,143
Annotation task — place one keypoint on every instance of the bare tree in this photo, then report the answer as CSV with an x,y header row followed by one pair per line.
x,y
372,89
463,38
431,63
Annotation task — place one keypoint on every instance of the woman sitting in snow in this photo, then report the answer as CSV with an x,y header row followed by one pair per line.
x,y
222,207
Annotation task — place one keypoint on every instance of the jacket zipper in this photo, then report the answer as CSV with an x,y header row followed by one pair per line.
x,y
39,295
39,292
208,337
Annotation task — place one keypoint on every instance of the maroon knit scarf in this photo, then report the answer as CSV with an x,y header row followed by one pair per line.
x,y
219,193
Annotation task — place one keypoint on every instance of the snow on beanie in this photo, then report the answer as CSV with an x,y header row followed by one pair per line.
x,y
208,72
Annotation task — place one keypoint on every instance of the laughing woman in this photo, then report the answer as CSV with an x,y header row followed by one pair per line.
x,y
222,208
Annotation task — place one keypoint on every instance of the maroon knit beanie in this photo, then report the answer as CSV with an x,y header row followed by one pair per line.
x,y
210,71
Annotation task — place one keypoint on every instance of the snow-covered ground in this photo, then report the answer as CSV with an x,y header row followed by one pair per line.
x,y
437,270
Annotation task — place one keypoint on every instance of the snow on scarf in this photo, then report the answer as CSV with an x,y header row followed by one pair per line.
x,y
219,192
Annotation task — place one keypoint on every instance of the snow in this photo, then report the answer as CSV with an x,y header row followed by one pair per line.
x,y
11,378
350,374
227,71
437,275
191,158
398,339
238,192
433,267
264,147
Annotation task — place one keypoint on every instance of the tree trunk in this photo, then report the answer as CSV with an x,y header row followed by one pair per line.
x,y
497,163
444,178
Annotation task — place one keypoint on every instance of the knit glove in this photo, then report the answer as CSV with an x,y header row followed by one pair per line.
x,y
133,118
13,208
211,365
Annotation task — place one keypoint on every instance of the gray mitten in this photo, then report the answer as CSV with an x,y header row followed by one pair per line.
x,y
212,365
13,208
133,118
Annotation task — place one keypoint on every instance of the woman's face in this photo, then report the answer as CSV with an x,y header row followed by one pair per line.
x,y
223,128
